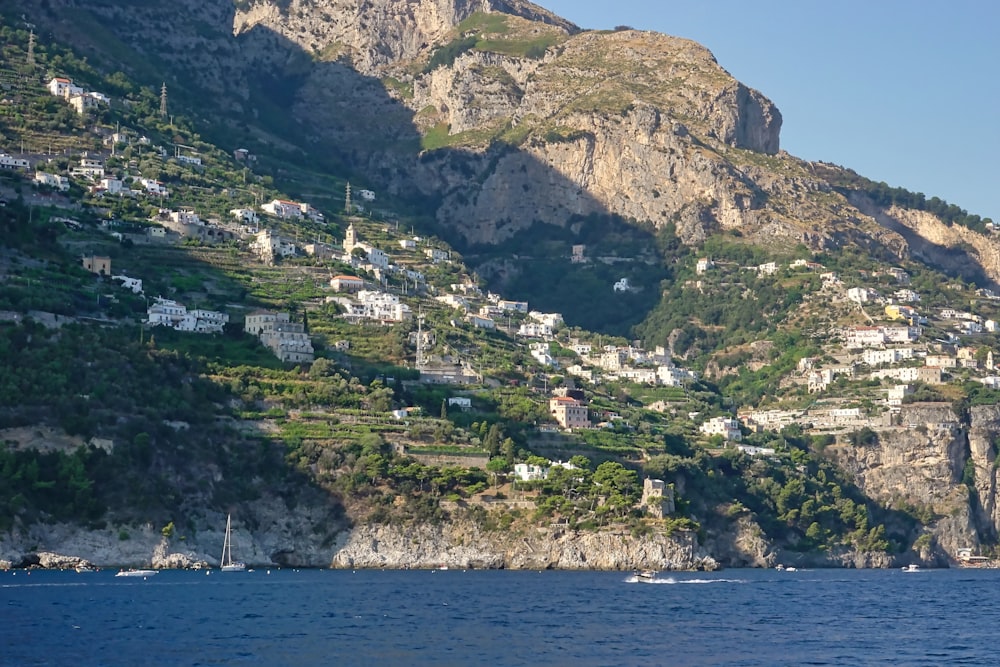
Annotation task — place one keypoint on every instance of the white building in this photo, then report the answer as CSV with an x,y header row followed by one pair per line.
x,y
534,330
286,339
874,357
382,306
56,181
767,269
454,300
169,313
11,162
703,265
437,255
247,215
861,295
553,320
113,186
727,427
515,306
284,208
63,87
895,395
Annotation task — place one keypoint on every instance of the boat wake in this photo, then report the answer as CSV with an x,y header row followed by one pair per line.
x,y
672,580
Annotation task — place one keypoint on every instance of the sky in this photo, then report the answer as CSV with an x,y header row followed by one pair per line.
x,y
901,91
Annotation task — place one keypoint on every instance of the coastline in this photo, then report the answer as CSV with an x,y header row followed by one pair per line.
x,y
455,544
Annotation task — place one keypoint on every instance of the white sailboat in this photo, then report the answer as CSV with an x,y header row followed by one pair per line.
x,y
227,550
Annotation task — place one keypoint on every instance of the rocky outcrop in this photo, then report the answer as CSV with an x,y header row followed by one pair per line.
x,y
984,435
462,544
372,35
266,533
919,465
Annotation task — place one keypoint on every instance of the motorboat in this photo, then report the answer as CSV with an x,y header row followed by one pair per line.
x,y
136,573
645,575
912,567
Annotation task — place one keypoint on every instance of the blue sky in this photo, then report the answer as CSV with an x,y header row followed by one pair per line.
x,y
901,91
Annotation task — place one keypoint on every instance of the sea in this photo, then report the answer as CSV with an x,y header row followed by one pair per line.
x,y
457,617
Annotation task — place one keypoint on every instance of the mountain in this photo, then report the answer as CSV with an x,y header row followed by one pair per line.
x,y
621,178
497,116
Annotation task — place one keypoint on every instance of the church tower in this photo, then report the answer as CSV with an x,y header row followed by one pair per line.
x,y
351,239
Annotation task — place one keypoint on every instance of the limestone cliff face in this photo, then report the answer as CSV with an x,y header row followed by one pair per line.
x,y
373,34
984,434
965,252
537,121
462,544
267,533
925,463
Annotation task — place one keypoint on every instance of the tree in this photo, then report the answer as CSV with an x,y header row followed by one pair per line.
x,y
497,466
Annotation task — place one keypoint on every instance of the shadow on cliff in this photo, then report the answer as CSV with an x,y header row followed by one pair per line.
x,y
955,262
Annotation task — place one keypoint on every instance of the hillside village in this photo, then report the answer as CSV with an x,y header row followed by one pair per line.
x,y
383,279
197,248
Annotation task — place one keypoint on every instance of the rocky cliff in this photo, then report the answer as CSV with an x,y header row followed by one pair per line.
x,y
936,466
267,533
499,115
462,544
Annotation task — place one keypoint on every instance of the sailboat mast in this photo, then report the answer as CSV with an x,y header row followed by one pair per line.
x,y
227,549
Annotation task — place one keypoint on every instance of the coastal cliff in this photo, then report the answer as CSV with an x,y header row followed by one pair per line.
x,y
462,544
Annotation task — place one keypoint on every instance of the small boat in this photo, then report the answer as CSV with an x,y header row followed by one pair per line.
x,y
911,568
85,568
228,564
645,575
136,573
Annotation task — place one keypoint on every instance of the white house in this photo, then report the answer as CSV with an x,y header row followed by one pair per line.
x,y
154,187
861,295
621,286
727,427
437,255
767,269
11,162
347,283
247,215
553,320
463,402
895,395
52,180
530,473
454,300
283,208
113,186
63,87
407,244
382,306
534,330
89,167
891,356
165,312
516,306
481,322
703,265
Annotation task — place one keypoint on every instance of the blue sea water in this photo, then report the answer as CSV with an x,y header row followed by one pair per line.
x,y
455,617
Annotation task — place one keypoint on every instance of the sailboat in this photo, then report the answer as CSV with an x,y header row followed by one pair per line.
x,y
227,550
